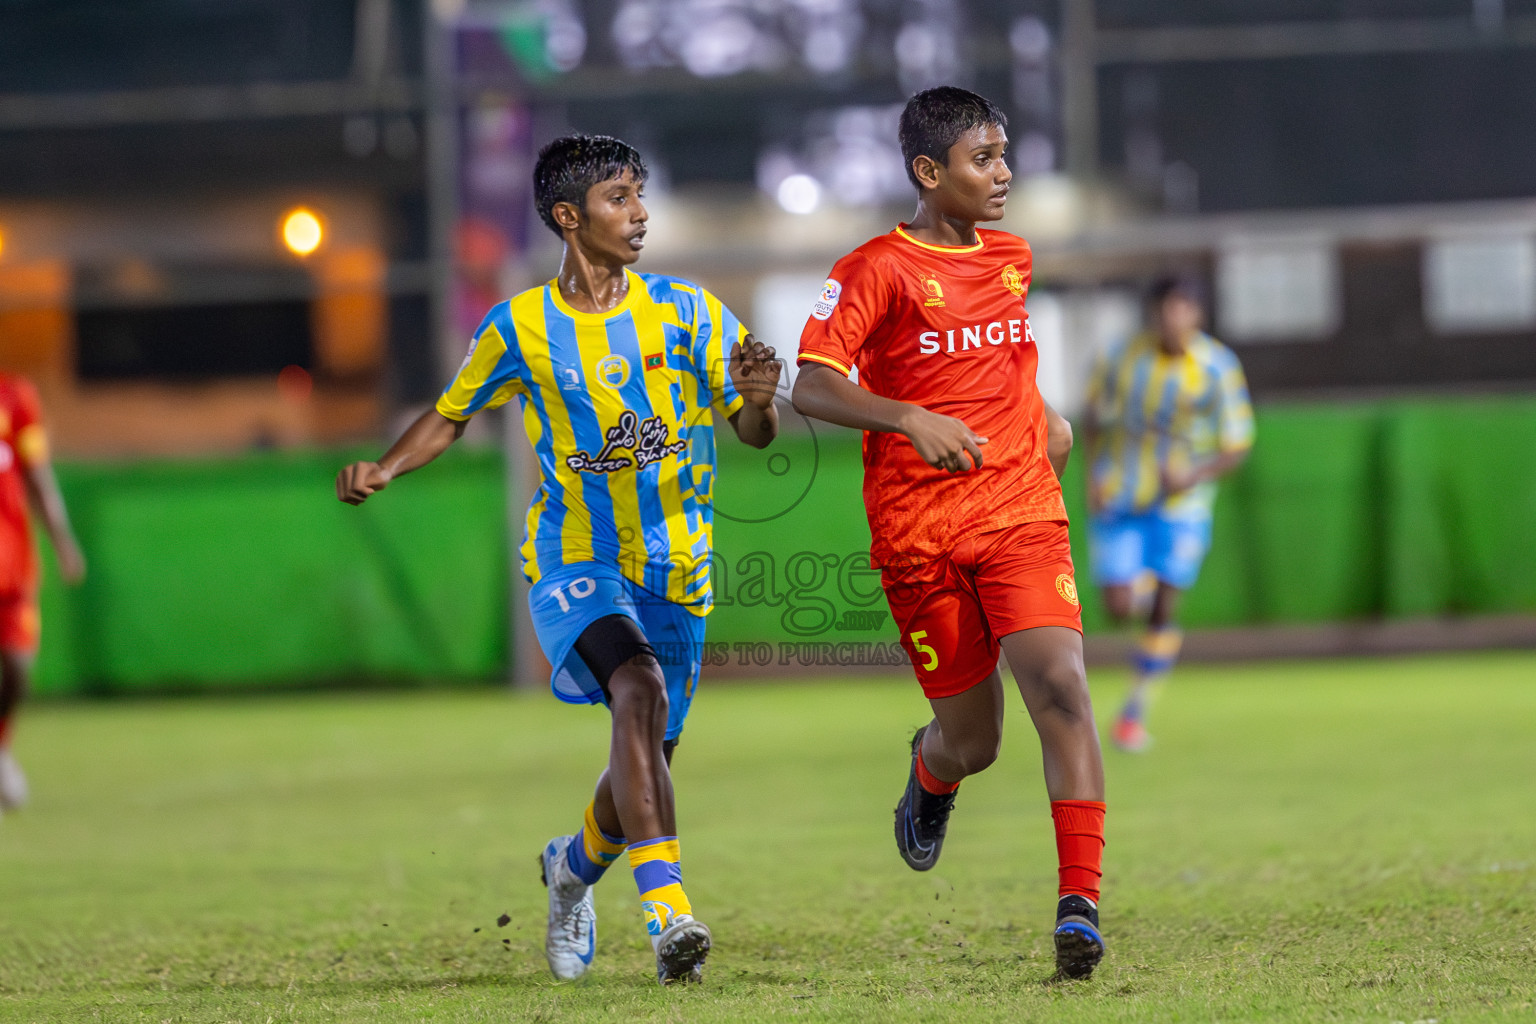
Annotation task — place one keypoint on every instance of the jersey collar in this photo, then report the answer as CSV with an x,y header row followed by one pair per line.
x,y
901,229
1154,345
636,286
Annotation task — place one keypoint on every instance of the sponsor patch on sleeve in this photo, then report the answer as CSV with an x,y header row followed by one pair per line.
x,y
474,343
830,293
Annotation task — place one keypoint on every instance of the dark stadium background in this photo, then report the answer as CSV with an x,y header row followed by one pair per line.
x,y
1336,169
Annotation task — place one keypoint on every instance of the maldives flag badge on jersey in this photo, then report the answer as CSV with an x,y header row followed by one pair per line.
x,y
653,362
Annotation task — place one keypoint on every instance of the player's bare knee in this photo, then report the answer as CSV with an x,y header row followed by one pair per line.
x,y
979,751
13,682
1066,685
639,686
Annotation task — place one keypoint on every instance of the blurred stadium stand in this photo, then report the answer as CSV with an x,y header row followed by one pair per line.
x,y
1356,181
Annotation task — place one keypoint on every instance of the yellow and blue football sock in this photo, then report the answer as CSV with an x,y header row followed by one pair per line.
x,y
659,876
593,851
1156,653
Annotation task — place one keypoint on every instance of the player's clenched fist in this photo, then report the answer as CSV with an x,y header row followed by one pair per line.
x,y
356,482
755,370
943,441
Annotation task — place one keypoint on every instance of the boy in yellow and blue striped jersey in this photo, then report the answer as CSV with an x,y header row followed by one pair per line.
x,y
1167,416
616,374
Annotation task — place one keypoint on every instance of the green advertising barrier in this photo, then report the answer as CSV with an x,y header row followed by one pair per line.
x,y
247,572
1296,533
1460,481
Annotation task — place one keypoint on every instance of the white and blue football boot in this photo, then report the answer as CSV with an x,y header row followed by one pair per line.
x,y
13,782
572,936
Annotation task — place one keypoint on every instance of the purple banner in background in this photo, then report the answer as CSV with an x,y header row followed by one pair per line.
x,y
495,188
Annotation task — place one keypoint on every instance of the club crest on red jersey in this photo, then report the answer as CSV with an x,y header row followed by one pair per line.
x,y
935,292
1013,280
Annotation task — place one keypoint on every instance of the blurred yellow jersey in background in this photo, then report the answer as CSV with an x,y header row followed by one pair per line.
x,y
1156,411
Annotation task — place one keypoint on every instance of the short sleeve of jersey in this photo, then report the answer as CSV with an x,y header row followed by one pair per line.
x,y
715,332
27,424
492,371
1235,419
852,303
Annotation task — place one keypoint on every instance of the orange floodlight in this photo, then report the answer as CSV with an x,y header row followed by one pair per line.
x,y
302,231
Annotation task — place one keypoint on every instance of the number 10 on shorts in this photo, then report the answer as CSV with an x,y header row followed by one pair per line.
x,y
924,650
578,588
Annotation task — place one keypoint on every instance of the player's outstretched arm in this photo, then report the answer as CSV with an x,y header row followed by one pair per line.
x,y
1178,481
1093,435
943,442
1058,439
43,489
755,370
422,442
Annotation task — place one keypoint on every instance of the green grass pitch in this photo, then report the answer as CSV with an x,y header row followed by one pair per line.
x,y
1307,841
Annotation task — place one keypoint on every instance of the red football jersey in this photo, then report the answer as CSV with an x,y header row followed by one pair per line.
x,y
22,443
944,328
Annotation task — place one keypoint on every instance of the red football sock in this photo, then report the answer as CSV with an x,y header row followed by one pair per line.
x,y
930,782
1079,846
5,731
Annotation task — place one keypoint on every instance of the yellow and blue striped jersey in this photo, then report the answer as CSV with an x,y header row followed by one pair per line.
x,y
617,407
1155,411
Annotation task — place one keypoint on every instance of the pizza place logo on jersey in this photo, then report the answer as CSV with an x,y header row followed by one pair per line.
x,y
648,440
933,291
830,293
1013,280
1067,588
613,370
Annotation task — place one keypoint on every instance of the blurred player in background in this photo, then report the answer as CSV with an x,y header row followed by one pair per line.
x,y
1167,416
961,464
615,373
26,477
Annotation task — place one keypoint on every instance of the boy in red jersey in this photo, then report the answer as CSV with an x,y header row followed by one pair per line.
x,y
961,465
25,474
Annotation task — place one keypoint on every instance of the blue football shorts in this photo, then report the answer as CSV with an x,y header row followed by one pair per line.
x,y
568,600
1123,546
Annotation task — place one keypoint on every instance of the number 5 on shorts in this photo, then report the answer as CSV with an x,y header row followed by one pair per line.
x,y
924,649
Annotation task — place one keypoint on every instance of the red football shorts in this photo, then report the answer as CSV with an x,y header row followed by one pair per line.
x,y
20,624
952,611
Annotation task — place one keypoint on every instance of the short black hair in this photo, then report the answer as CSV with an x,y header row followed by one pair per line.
x,y
934,120
1184,283
571,164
